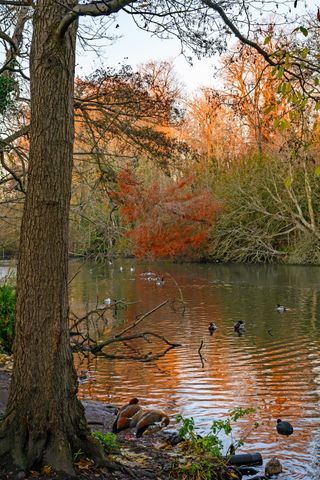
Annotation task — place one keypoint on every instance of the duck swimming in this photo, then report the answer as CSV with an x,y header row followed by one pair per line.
x,y
281,308
212,327
239,326
125,417
284,428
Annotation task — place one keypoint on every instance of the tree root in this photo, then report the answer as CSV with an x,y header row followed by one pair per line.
x,y
26,452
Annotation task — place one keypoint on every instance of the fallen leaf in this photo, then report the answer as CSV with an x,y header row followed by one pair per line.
x,y
84,464
47,470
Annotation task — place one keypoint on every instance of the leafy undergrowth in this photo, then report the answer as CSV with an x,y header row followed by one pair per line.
x,y
167,455
7,317
202,455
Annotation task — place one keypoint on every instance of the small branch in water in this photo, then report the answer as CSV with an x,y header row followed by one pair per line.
x,y
200,354
175,300
74,276
177,305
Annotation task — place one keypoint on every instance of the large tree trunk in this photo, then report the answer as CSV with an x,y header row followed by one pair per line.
x,y
44,420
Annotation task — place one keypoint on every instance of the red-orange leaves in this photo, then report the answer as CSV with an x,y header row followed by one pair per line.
x,y
167,218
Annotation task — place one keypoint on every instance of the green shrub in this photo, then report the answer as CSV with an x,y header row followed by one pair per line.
x,y
7,316
7,87
108,441
269,213
202,457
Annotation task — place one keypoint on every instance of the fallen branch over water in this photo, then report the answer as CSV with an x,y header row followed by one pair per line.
x,y
87,344
140,318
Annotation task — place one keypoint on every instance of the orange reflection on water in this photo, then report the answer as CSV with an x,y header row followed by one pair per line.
x,y
274,367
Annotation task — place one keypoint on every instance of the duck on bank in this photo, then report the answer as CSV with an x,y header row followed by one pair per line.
x,y
145,421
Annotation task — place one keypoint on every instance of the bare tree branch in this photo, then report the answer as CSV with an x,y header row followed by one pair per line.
x,y
290,72
8,39
99,346
200,354
142,318
89,345
94,9
7,142
217,8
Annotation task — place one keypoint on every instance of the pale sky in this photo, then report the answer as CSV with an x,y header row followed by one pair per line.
x,y
136,46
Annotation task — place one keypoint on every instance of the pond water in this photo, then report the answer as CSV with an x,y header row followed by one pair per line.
x,y
274,367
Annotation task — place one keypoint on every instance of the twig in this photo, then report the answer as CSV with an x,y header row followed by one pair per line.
x,y
139,358
177,285
74,276
99,346
200,354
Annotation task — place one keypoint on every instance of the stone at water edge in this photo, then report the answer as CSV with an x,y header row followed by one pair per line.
x,y
273,467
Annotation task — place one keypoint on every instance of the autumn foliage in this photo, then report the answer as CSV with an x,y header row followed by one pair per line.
x,y
166,218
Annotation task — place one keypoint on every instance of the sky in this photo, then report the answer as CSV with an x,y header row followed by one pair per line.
x,y
136,47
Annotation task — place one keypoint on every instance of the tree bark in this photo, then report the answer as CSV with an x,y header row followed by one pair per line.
x,y
44,422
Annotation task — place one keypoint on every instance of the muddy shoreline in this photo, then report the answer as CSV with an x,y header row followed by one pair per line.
x,y
142,459
146,458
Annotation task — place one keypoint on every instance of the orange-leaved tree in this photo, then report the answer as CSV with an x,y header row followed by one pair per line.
x,y
166,218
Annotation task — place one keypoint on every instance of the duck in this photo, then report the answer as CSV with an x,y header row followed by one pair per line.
x,y
239,326
151,421
160,281
125,416
84,376
281,308
284,428
147,274
212,327
273,467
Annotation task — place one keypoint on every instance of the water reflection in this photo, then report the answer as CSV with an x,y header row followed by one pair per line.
x,y
274,366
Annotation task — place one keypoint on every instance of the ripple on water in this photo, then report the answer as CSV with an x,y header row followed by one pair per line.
x,y
274,367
